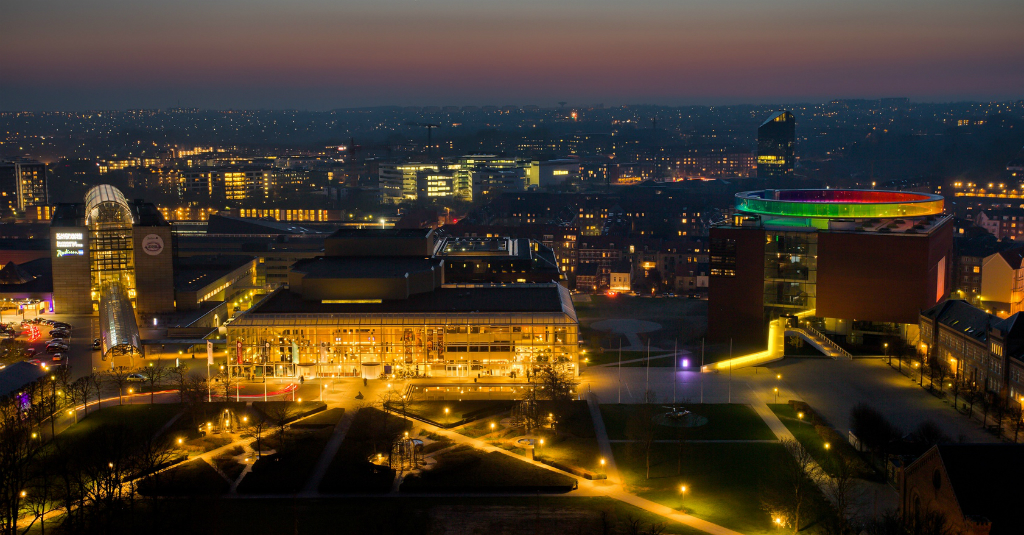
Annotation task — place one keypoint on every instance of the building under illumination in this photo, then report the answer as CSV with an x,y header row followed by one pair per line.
x,y
381,301
22,186
776,141
866,262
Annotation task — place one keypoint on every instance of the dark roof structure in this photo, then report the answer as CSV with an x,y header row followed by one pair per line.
x,y
484,299
194,272
1013,257
963,317
983,477
364,267
229,224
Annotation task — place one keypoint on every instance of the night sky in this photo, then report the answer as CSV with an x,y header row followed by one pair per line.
x,y
319,54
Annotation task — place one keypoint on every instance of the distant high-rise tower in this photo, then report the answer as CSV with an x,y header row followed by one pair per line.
x,y
776,139
22,185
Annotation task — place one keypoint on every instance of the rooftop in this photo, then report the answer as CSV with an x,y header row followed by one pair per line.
x,y
363,267
523,298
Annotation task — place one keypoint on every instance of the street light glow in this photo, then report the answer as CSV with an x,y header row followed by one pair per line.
x,y
682,488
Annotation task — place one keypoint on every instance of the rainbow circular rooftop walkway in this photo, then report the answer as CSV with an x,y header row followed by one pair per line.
x,y
838,203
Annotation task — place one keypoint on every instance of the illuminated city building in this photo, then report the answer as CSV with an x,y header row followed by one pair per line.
x,y
466,167
776,141
381,301
432,184
866,262
22,186
399,181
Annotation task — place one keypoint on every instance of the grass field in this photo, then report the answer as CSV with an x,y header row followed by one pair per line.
x,y
434,411
725,422
143,419
287,471
722,480
351,471
810,439
194,478
464,469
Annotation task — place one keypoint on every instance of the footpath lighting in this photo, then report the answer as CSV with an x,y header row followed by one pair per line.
x,y
23,494
828,446
446,415
542,442
800,415
34,434
602,463
492,426
682,489
778,521
180,441
776,395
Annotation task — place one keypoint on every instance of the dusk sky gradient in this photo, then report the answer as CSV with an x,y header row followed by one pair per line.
x,y
319,54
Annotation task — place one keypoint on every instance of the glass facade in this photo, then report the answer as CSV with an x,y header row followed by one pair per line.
x,y
430,345
790,270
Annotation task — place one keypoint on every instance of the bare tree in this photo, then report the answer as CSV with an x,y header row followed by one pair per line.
x,y
788,486
83,388
196,394
278,414
119,376
97,380
179,376
838,489
154,374
257,425
555,381
228,381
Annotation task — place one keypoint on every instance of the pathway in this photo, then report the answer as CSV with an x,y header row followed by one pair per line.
x,y
612,470
330,450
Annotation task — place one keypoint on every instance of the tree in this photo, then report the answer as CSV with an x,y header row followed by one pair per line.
x,y
196,394
179,377
278,414
154,374
928,434
119,377
787,487
83,388
556,383
872,428
18,451
228,381
257,425
97,380
838,489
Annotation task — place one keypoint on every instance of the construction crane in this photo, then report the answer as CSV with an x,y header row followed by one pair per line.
x,y
430,128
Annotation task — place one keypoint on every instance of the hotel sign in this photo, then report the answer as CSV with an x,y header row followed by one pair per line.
x,y
153,244
70,243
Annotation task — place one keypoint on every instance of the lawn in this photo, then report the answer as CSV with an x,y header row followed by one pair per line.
x,y
434,411
574,442
286,471
194,478
725,422
327,418
401,515
287,410
145,420
722,480
810,439
464,469
371,432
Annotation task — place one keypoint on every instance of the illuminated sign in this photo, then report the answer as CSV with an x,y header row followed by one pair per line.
x,y
69,244
66,240
153,244
559,172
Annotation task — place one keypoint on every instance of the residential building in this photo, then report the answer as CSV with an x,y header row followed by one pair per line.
x,y
1003,223
23,186
776,142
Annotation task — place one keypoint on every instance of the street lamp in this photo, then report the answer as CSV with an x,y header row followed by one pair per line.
x,y
776,395
446,415
887,356
602,463
828,446
492,426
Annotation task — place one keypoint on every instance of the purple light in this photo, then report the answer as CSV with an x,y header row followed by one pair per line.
x,y
686,363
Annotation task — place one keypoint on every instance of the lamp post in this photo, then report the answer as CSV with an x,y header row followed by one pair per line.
x,y
446,419
776,395
887,355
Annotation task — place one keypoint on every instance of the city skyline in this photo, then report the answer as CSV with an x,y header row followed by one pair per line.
x,y
314,55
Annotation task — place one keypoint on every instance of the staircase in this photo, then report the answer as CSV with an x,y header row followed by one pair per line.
x,y
820,342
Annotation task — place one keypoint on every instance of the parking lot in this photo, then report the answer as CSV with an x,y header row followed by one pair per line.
x,y
29,343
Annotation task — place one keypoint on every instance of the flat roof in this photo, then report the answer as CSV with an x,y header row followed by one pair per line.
x,y
195,272
364,267
512,298
382,233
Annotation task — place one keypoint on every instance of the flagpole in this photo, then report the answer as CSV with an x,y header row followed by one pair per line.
x,y
620,371
675,372
701,371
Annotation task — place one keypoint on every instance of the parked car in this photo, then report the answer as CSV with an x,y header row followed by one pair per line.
x,y
29,351
61,325
60,334
96,343
56,348
136,378
57,357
